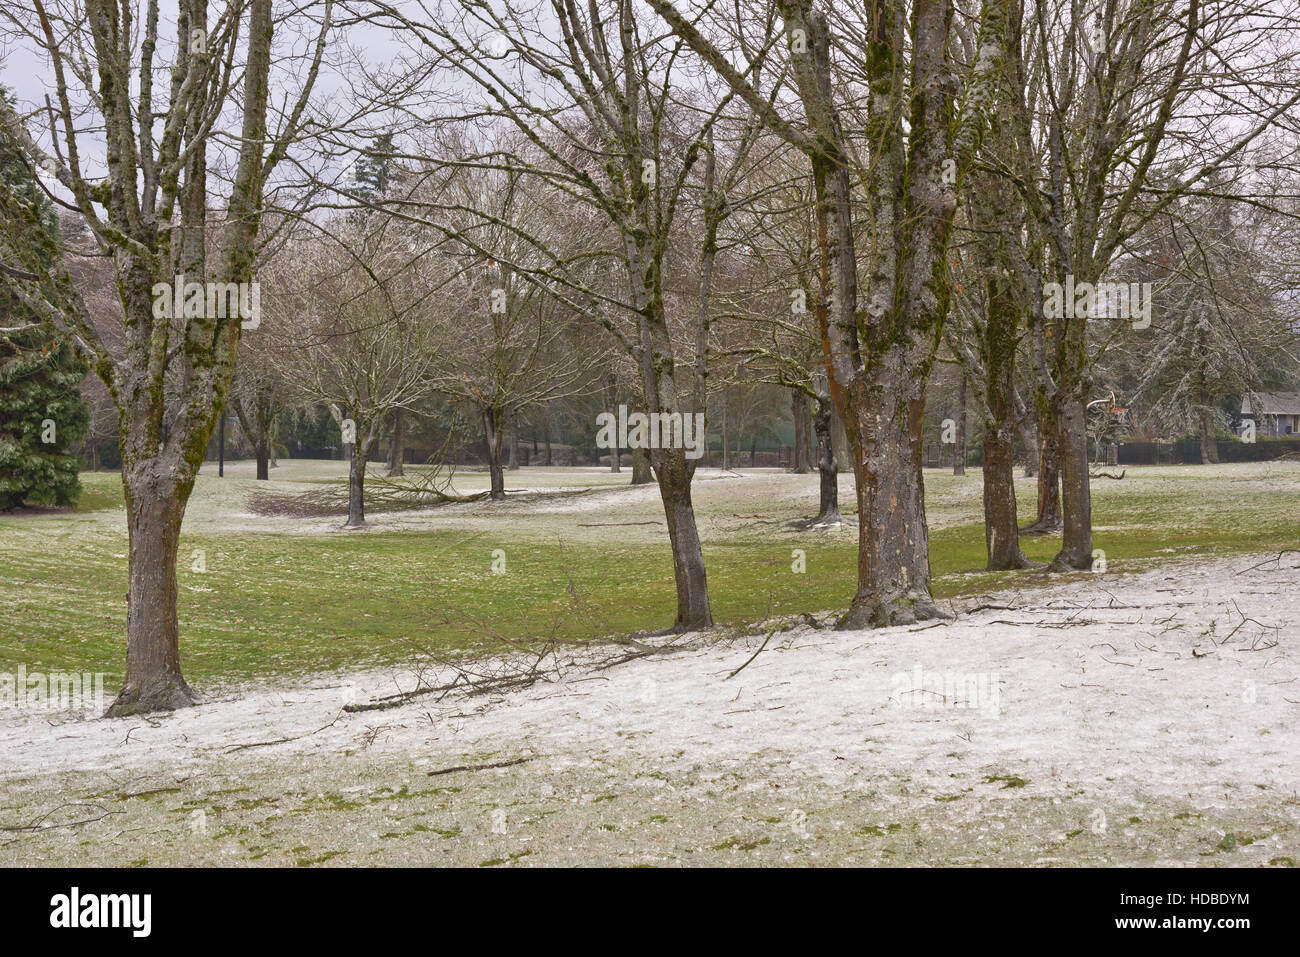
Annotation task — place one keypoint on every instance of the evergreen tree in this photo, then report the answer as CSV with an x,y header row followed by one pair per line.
x,y
42,413
373,173
1217,330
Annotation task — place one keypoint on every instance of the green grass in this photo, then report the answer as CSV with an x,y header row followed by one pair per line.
x,y
271,604
100,490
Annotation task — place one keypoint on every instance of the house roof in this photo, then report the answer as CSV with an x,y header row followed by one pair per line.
x,y
1271,403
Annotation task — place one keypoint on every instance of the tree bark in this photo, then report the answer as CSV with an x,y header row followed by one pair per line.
x,y
725,463
959,453
155,506
893,540
396,447
828,508
840,442
1048,518
799,408
611,402
263,453
998,351
1076,491
493,436
693,609
513,464
1001,533
1028,433
1209,447
258,427
357,486
546,434
642,474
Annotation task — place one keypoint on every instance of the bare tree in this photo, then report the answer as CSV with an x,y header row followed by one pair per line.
x,y
611,127
258,394
148,210
1125,107
503,342
918,148
355,334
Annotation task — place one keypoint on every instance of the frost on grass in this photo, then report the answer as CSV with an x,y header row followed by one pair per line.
x,y
1137,719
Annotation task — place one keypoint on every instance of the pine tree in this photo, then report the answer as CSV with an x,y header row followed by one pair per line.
x,y
373,173
42,413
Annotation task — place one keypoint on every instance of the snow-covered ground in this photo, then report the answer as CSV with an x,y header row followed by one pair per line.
x,y
1148,718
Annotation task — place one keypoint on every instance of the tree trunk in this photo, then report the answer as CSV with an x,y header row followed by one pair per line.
x,y
840,442
693,610
1001,533
1209,446
258,429
799,407
513,464
155,506
998,351
642,474
725,463
810,430
959,453
546,434
893,539
828,508
493,435
397,445
263,452
357,486
1076,492
1028,433
1048,518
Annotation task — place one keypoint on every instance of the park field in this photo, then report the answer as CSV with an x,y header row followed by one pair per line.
x,y
382,697
585,556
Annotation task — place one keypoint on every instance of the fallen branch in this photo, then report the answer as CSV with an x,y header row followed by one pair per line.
x,y
478,767
40,823
1277,560
614,524
269,744
751,657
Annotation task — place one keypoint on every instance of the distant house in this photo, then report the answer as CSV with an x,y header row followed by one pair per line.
x,y
1276,413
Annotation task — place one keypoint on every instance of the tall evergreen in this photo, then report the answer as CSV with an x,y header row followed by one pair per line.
x,y
42,413
374,169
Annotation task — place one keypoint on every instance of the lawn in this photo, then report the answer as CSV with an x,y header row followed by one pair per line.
x,y
266,597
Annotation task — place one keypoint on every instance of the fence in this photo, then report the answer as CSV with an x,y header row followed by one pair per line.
x,y
1188,451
